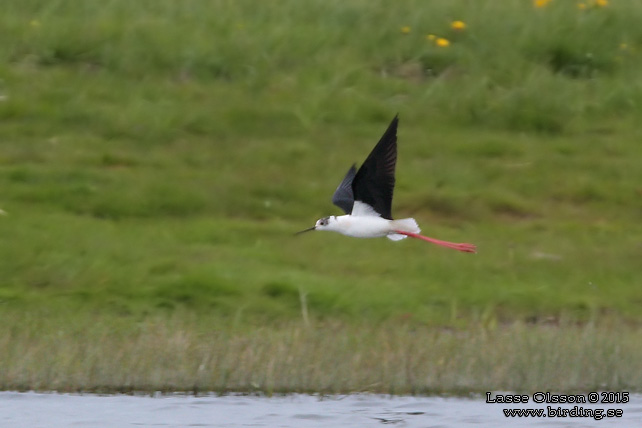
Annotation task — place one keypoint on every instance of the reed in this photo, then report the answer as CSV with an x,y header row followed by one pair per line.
x,y
179,355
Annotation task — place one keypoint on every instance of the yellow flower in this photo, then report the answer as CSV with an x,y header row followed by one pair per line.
x,y
541,3
624,46
431,37
405,29
601,3
581,6
442,43
458,25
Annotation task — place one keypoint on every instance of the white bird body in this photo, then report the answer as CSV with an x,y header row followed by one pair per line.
x,y
367,226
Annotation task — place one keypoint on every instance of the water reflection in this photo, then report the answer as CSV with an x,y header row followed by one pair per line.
x,y
35,410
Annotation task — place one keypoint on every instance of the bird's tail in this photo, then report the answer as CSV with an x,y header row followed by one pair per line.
x,y
403,225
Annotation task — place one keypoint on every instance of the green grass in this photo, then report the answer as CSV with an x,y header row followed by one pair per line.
x,y
156,157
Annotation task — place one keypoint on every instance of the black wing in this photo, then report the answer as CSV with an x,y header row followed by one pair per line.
x,y
375,181
343,196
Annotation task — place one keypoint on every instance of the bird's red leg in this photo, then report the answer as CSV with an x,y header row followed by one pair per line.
x,y
467,248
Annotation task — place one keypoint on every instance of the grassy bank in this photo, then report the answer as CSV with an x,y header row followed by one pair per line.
x,y
156,157
139,177
186,354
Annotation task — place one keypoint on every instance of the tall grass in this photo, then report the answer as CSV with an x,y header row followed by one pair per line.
x,y
184,354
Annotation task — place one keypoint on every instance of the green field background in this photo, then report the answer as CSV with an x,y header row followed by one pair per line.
x,y
156,158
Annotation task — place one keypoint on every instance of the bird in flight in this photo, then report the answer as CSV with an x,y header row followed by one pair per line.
x,y
366,198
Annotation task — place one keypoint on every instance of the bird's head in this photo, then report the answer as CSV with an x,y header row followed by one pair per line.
x,y
325,223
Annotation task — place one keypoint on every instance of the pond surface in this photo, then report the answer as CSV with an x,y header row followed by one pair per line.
x,y
51,410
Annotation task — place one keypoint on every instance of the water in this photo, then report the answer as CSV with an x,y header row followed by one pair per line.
x,y
35,410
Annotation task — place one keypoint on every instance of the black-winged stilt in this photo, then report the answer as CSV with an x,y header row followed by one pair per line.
x,y
366,198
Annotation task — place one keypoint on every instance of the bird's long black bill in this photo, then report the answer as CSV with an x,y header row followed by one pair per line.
x,y
309,229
